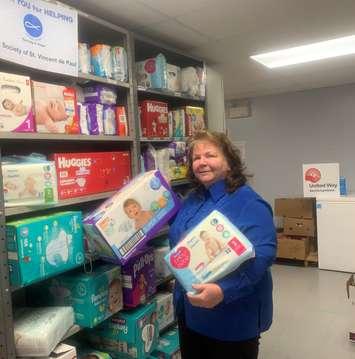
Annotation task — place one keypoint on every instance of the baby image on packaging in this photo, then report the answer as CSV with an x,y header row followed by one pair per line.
x,y
134,211
212,245
18,109
115,296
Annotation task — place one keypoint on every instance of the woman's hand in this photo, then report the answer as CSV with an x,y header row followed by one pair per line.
x,y
207,296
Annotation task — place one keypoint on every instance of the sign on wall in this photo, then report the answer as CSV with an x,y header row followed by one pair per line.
x,y
321,180
39,34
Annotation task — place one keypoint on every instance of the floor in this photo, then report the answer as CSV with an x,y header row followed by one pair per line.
x,y
312,315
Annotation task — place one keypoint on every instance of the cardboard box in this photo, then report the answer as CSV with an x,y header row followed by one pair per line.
x,y
81,174
295,207
292,248
299,227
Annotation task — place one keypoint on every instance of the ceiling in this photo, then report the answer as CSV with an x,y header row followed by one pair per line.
x,y
226,32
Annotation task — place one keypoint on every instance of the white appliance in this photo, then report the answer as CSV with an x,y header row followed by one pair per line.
x,y
336,233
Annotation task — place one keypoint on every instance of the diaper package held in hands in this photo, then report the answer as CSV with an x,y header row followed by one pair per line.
x,y
210,251
126,221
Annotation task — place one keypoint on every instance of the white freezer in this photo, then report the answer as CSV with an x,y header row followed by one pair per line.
x,y
336,233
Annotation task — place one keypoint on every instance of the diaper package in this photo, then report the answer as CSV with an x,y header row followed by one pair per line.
x,y
162,270
95,118
16,112
81,174
119,63
156,159
128,334
152,73
41,247
83,122
61,351
168,346
37,331
28,183
94,296
154,118
109,120
55,108
177,160
177,123
121,121
138,277
84,58
210,251
97,93
101,60
194,120
126,221
173,78
165,309
190,82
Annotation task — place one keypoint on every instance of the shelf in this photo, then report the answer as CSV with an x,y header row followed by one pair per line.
x,y
12,211
170,94
90,77
13,136
162,139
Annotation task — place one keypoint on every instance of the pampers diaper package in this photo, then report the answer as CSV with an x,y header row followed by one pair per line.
x,y
165,309
210,251
16,113
55,108
168,346
126,221
28,182
128,334
94,296
41,247
138,277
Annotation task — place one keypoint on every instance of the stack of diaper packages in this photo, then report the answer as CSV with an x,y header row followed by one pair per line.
x,y
168,346
94,296
138,277
29,181
126,221
16,112
128,334
42,247
210,251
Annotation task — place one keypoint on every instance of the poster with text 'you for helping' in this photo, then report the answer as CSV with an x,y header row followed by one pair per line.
x,y
40,34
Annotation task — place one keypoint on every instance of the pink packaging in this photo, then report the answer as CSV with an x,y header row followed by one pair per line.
x,y
138,277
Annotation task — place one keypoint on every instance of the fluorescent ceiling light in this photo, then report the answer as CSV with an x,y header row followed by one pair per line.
x,y
312,52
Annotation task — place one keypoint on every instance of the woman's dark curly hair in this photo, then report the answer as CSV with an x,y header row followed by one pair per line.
x,y
236,177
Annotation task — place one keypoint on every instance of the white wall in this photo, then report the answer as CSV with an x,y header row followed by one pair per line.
x,y
290,129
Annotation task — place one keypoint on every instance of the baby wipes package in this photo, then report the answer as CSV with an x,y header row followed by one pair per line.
x,y
56,108
168,346
28,183
138,277
126,221
128,334
210,251
16,112
37,331
94,296
41,247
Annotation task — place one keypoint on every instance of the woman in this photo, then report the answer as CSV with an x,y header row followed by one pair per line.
x,y
225,319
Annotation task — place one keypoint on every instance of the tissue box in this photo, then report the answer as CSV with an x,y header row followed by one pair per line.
x,y
40,247
138,277
168,346
28,184
126,221
81,174
165,309
210,251
55,108
16,113
152,72
37,331
61,351
94,296
128,334
154,118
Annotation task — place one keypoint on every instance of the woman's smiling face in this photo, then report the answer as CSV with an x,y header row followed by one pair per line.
x,y
208,163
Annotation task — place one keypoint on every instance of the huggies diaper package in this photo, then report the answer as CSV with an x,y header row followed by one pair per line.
x,y
210,251
37,331
152,73
168,346
16,112
41,247
165,309
138,277
94,296
56,108
29,183
128,334
126,221
154,118
81,174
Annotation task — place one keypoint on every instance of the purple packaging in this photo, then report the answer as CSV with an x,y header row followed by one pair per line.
x,y
124,223
106,95
94,118
138,278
